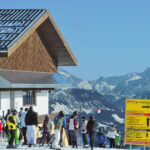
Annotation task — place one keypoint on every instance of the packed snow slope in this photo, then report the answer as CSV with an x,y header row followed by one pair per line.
x,y
64,148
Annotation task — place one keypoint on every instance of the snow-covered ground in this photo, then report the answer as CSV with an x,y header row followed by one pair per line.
x,y
64,148
45,147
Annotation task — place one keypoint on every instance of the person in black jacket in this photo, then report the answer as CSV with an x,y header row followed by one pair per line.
x,y
31,121
91,128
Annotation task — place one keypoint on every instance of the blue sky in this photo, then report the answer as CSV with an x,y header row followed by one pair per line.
x,y
108,37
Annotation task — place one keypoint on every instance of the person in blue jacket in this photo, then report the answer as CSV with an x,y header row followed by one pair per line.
x,y
101,137
63,121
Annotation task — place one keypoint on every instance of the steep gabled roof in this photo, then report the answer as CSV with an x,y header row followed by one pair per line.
x,y
16,25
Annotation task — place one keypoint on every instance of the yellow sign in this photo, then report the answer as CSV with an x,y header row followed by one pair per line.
x,y
137,122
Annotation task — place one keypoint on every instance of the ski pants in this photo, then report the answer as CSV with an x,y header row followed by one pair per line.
x,y
24,130
91,135
15,137
48,137
73,135
57,138
12,137
112,142
84,139
31,134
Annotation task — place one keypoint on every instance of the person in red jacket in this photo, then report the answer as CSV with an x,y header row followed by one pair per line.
x,y
0,126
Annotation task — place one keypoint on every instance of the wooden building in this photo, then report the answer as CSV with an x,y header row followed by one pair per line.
x,y
31,49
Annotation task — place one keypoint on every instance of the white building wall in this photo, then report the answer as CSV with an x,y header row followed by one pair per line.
x,y
41,103
5,100
41,107
18,100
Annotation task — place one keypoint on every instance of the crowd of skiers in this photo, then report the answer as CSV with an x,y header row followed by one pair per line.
x,y
26,122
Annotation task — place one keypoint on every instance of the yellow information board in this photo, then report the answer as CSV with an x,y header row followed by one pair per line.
x,y
137,122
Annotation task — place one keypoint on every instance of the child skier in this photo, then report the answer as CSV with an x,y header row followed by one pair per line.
x,y
118,140
101,138
47,128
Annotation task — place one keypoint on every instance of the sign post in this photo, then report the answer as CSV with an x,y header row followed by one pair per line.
x,y
137,122
130,146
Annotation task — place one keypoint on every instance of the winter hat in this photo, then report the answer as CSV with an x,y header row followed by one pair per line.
x,y
26,109
8,111
14,112
75,113
113,125
31,108
72,116
46,117
61,114
91,117
83,118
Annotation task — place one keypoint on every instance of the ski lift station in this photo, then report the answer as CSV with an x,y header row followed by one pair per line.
x,y
31,49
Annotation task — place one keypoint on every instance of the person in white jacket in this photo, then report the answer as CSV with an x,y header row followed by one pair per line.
x,y
84,131
111,136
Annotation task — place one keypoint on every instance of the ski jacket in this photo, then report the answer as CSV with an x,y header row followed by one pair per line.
x,y
71,124
31,118
118,140
101,138
84,125
63,121
47,126
11,123
91,126
0,126
58,124
112,133
22,119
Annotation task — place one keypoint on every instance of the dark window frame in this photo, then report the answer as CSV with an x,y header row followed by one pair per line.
x,y
29,98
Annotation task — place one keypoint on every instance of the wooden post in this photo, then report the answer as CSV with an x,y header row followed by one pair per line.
x,y
49,92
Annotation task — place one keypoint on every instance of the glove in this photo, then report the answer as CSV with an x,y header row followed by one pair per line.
x,y
83,130
11,126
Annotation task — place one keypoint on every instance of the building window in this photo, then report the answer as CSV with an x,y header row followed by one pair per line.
x,y
29,98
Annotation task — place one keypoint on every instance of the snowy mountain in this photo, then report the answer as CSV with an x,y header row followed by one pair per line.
x,y
108,94
115,89
75,81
